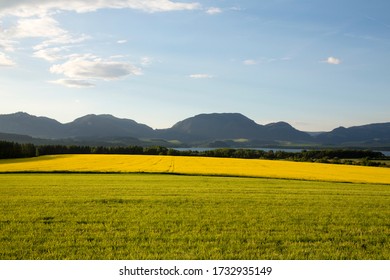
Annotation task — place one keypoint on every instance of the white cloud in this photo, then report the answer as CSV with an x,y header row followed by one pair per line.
x,y
146,61
213,11
34,19
200,76
73,83
264,60
250,62
332,60
81,70
55,49
29,8
45,27
63,39
6,44
92,67
50,54
236,8
5,61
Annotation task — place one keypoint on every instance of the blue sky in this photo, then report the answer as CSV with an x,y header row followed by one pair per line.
x,y
316,64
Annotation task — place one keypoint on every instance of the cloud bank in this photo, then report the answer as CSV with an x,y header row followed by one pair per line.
x,y
30,8
35,19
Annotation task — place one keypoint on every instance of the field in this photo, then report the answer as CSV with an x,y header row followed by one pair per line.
x,y
162,216
147,216
199,166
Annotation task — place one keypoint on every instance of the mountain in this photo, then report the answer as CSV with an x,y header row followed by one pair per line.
x,y
370,134
92,126
25,124
214,130
211,127
282,131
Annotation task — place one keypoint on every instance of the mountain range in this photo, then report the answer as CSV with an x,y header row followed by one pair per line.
x,y
213,130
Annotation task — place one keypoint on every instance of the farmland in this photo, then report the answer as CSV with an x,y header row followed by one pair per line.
x,y
248,209
199,166
151,216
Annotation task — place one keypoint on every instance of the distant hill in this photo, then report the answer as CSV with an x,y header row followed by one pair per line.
x,y
222,126
282,131
25,124
16,138
371,134
90,126
213,127
106,126
213,130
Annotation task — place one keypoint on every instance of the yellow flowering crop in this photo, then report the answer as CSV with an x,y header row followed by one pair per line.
x,y
199,166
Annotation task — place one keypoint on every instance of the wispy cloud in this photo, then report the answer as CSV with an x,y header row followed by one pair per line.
x,y
45,27
146,61
89,67
51,54
54,37
200,76
29,8
35,19
332,60
213,11
236,8
5,61
6,44
73,83
250,62
64,39
373,19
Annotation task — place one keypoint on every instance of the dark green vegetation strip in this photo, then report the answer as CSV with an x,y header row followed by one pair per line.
x,y
140,216
10,150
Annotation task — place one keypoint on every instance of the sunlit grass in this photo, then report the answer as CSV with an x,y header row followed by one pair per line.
x,y
141,216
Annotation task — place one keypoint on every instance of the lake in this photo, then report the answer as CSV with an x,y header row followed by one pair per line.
x,y
289,150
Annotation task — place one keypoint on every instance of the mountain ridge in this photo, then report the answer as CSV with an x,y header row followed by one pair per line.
x,y
196,130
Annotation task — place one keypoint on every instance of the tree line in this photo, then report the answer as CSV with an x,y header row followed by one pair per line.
x,y
335,156
10,150
16,150
340,156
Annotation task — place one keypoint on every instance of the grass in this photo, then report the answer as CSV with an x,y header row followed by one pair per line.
x,y
149,216
199,166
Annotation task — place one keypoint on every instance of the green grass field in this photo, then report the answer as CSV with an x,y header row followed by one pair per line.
x,y
146,216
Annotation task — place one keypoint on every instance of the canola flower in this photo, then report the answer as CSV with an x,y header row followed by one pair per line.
x,y
199,166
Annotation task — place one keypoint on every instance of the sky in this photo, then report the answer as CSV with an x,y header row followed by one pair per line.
x,y
316,64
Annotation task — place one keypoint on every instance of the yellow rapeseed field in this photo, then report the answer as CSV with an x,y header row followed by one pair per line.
x,y
199,166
